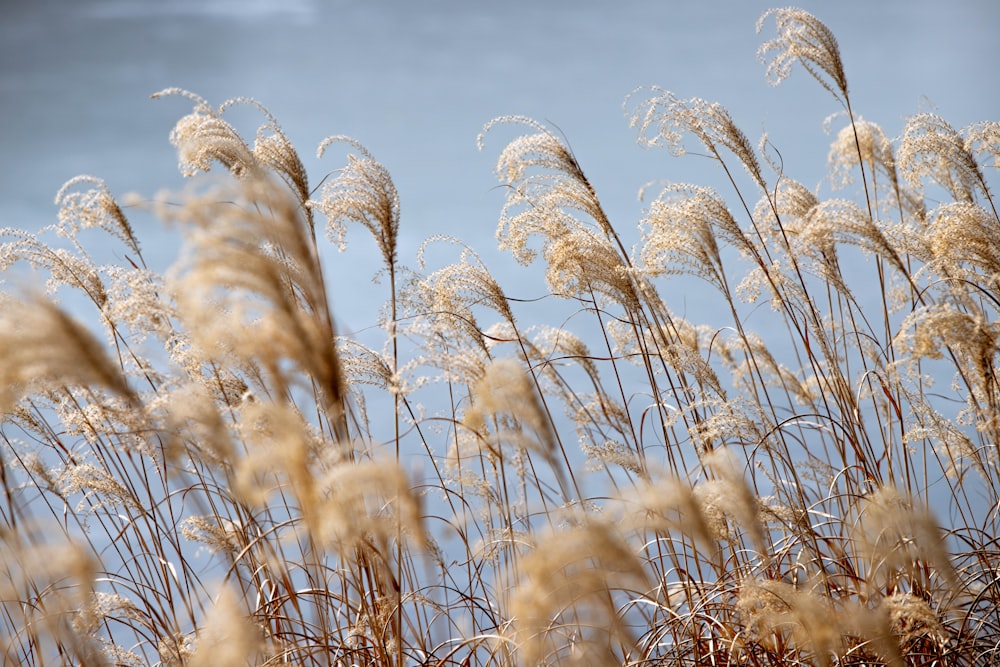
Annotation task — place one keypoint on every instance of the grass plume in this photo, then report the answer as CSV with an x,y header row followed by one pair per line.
x,y
199,468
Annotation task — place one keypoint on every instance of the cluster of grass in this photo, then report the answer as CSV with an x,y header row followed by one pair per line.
x,y
225,480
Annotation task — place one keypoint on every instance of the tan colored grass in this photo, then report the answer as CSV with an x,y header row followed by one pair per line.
x,y
207,472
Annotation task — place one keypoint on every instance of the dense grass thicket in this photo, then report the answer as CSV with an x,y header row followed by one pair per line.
x,y
202,471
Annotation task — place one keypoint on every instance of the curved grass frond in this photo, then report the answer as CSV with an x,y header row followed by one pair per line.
x,y
42,347
93,208
481,478
663,119
563,607
804,39
932,148
363,192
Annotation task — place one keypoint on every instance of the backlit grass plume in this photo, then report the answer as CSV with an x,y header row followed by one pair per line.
x,y
199,468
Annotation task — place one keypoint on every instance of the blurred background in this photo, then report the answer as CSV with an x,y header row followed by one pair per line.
x,y
415,81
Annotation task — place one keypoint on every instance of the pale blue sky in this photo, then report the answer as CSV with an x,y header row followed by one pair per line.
x,y
414,81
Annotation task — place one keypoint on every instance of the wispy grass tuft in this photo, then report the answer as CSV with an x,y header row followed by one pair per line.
x,y
198,468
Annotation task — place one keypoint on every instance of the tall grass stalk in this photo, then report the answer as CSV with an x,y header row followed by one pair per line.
x,y
205,472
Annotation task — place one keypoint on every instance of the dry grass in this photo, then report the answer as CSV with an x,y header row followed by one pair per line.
x,y
223,480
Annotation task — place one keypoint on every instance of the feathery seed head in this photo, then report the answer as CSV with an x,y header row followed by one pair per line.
x,y
581,261
913,619
875,151
932,148
970,337
64,268
680,234
250,288
542,150
547,185
730,493
102,608
99,487
984,137
505,392
220,535
610,452
367,504
804,39
896,536
136,300
445,303
202,138
793,621
283,452
227,637
663,119
192,423
567,587
273,149
949,440
363,193
847,222
41,345
668,504
964,236
93,208
363,365
469,282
